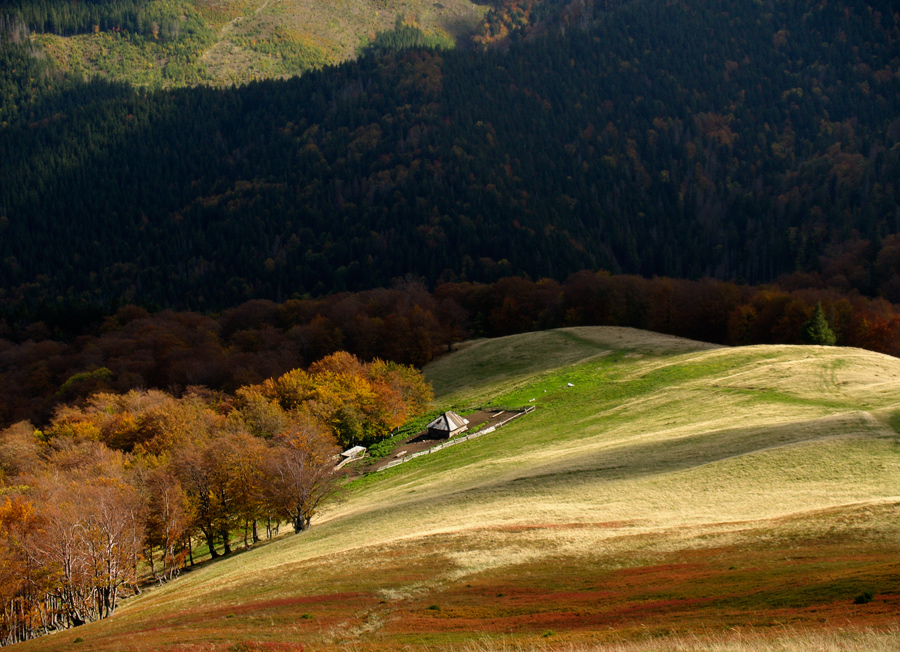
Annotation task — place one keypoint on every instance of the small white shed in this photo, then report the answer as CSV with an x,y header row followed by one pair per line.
x,y
447,425
353,453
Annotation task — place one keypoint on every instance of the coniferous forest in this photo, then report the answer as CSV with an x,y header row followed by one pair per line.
x,y
716,139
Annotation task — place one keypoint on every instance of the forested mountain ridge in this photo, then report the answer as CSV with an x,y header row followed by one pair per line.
x,y
685,139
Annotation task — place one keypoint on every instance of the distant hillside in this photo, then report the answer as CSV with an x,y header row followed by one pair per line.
x,y
664,495
684,139
221,42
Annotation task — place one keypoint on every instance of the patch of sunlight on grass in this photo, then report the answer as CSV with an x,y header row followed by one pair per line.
x,y
784,639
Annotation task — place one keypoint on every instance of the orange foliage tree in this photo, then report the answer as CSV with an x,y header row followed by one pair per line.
x,y
359,402
119,478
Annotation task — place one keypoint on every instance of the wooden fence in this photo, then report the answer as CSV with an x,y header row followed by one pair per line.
x,y
514,413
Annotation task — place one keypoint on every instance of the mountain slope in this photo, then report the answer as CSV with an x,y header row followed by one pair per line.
x,y
674,489
222,42
675,139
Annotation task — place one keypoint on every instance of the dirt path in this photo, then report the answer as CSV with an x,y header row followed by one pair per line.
x,y
220,49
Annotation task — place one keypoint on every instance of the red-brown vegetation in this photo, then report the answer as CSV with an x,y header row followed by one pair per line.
x,y
802,585
260,339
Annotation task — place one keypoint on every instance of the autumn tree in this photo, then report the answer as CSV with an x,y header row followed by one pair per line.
x,y
84,541
111,536
197,469
169,518
241,458
360,402
20,450
300,472
120,472
403,389
259,414
23,585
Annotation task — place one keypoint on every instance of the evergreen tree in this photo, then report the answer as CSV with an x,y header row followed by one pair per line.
x,y
817,330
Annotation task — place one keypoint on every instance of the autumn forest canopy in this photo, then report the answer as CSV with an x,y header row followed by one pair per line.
x,y
121,481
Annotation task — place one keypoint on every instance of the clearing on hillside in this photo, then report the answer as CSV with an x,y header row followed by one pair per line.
x,y
663,495
239,41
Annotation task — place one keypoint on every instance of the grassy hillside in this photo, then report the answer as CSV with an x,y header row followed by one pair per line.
x,y
223,42
676,496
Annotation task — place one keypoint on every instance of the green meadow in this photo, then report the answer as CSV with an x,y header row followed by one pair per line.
x,y
664,495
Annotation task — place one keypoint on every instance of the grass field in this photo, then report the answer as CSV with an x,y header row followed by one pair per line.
x,y
677,496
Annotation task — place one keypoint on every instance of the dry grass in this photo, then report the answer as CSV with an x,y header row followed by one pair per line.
x,y
784,640
337,28
768,431
674,493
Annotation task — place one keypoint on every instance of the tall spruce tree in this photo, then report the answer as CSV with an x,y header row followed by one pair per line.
x,y
817,330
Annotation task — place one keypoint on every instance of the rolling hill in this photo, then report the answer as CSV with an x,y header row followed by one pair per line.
x,y
665,494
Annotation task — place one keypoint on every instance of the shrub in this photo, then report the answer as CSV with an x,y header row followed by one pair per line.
x,y
863,598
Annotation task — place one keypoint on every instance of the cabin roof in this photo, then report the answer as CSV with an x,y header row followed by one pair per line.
x,y
448,421
356,451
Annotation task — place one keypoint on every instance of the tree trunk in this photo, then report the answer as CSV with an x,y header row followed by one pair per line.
x,y
211,543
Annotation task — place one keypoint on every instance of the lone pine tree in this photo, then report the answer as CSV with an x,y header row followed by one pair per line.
x,y
817,330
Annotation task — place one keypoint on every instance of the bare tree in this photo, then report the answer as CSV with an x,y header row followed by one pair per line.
x,y
85,544
110,536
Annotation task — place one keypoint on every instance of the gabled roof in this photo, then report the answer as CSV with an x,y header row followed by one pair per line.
x,y
448,421
356,451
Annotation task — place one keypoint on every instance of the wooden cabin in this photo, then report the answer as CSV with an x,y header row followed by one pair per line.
x,y
447,425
